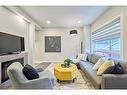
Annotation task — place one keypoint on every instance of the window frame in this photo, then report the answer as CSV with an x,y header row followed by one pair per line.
x,y
111,52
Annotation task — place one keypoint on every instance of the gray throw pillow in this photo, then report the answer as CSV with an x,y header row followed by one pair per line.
x,y
94,58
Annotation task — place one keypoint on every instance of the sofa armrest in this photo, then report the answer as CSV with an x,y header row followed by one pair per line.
x,y
40,83
114,81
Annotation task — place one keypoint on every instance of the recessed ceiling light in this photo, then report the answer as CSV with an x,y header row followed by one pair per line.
x,y
48,21
79,22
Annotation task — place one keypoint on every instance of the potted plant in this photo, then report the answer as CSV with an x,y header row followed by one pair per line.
x,y
67,62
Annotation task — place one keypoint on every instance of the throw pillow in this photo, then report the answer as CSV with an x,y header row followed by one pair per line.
x,y
82,57
98,64
94,58
104,66
118,69
109,70
29,72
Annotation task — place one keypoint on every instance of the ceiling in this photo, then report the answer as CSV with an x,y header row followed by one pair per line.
x,y
64,16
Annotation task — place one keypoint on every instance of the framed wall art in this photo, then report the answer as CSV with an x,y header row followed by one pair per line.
x,y
52,43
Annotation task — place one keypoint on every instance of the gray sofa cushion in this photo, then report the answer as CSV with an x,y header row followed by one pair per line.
x,y
96,80
91,74
114,81
86,64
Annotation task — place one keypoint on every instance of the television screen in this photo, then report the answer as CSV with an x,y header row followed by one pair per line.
x,y
10,43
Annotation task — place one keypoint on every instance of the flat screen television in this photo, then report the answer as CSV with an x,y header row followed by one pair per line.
x,y
10,44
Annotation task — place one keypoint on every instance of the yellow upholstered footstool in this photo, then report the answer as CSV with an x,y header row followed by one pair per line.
x,y
63,73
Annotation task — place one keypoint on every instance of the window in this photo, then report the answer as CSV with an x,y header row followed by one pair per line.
x,y
115,44
108,47
102,45
106,40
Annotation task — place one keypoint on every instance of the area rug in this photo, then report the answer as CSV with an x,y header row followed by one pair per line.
x,y
43,65
81,81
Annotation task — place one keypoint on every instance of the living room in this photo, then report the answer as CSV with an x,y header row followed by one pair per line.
x,y
47,38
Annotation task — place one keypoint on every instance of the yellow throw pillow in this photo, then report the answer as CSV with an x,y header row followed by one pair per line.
x,y
98,64
104,66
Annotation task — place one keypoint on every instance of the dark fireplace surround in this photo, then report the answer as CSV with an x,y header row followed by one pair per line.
x,y
5,65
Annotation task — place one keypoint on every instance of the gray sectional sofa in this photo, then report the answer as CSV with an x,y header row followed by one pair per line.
x,y
106,81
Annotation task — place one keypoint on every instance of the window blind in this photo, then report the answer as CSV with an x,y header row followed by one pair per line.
x,y
108,30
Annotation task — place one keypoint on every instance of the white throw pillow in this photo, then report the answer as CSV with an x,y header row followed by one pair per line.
x,y
82,57
98,64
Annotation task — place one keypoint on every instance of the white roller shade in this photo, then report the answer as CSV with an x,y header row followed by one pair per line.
x,y
108,30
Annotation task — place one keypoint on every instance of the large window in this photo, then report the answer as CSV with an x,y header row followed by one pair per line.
x,y
108,47
106,40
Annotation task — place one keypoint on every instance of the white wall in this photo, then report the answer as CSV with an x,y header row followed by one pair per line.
x,y
70,45
110,14
87,39
13,24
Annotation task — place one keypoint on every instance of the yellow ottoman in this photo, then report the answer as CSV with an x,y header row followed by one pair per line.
x,y
63,73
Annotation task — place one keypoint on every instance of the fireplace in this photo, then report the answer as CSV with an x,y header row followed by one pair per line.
x,y
5,65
